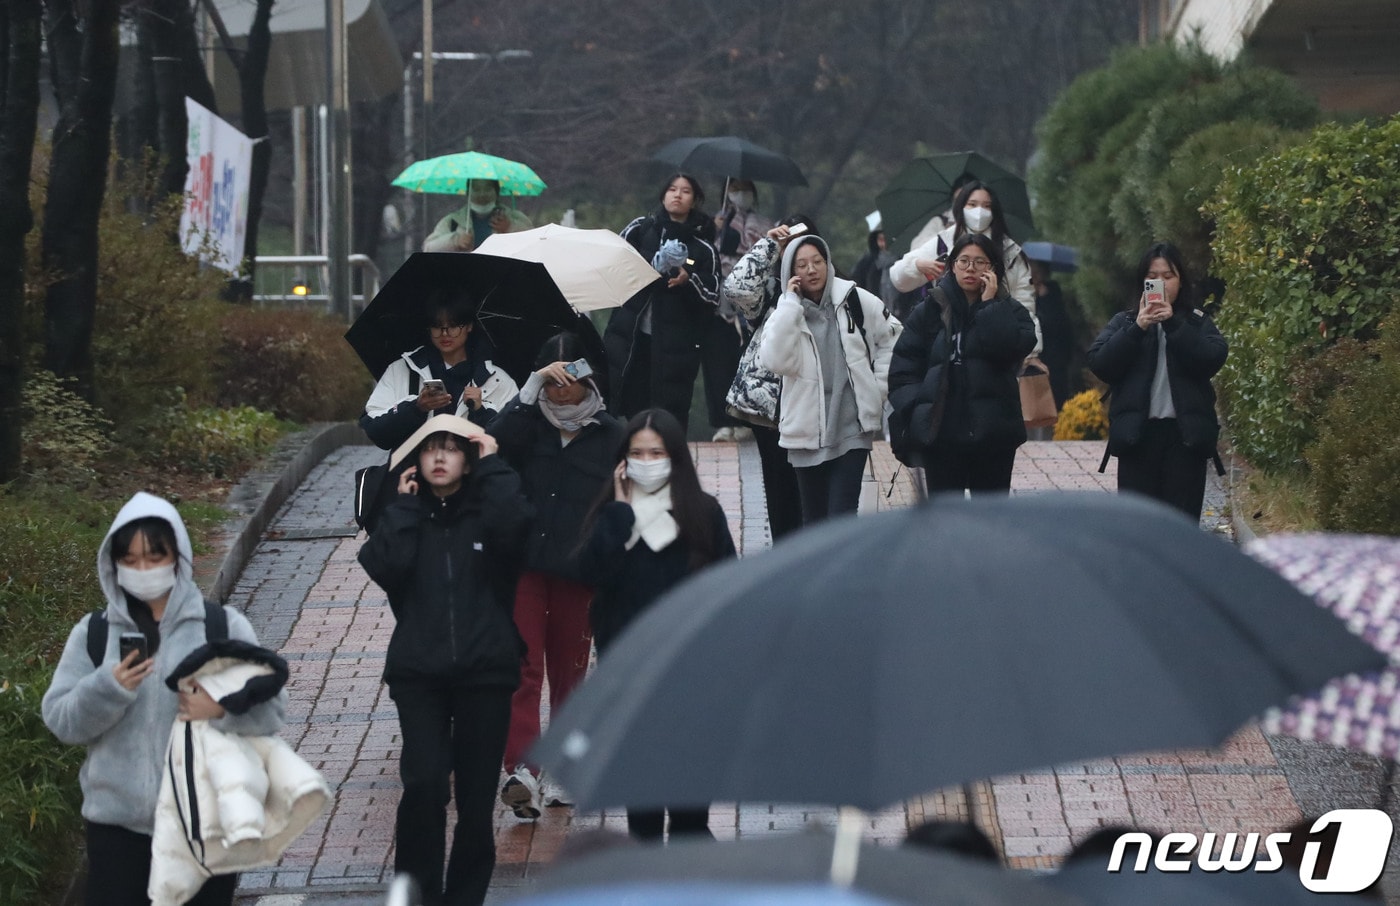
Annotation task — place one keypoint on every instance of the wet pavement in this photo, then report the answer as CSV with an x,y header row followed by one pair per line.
x,y
307,597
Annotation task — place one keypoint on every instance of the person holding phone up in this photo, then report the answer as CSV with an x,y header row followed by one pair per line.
x,y
447,552
1158,358
120,708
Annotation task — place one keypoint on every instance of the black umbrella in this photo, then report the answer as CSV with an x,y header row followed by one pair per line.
x,y
899,874
730,155
875,658
926,187
518,308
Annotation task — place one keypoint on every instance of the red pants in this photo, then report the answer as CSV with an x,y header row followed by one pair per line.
x,y
552,616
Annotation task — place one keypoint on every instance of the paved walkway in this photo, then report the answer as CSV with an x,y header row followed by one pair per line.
x,y
307,596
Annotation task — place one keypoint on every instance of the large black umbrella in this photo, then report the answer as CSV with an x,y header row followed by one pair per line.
x,y
875,658
518,308
899,874
926,186
729,155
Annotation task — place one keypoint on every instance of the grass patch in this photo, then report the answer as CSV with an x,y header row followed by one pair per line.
x,y
1277,503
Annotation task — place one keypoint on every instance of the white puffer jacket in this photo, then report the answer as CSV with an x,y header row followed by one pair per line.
x,y
790,350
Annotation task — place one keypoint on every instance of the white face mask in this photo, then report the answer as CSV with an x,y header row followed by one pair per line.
x,y
649,474
482,208
977,219
146,584
741,199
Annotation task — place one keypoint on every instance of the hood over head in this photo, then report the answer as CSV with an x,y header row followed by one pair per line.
x,y
140,506
790,253
452,424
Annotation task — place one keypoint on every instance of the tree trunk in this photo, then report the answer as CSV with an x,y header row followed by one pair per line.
x,y
77,181
20,34
160,24
252,74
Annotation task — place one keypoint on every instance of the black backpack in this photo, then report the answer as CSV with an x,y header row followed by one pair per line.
x,y
375,486
215,630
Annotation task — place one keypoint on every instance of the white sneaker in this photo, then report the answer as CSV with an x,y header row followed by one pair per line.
x,y
554,795
521,793
723,435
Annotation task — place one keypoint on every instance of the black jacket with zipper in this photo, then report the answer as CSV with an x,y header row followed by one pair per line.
x,y
449,567
1125,357
560,481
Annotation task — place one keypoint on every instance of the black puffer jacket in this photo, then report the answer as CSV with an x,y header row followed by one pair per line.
x,y
1125,357
980,348
678,316
449,566
560,481
630,581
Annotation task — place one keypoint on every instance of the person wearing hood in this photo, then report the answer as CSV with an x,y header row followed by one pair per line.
x,y
653,342
447,552
450,374
830,341
738,226
956,406
560,439
468,226
872,271
122,712
976,209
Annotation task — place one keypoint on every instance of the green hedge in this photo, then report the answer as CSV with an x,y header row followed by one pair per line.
x,y
1307,241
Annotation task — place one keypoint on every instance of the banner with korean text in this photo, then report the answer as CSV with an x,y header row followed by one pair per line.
x,y
215,220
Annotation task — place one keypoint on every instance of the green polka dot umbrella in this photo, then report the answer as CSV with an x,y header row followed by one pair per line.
x,y
450,174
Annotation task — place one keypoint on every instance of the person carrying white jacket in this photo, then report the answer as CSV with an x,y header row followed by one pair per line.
x,y
975,210
831,343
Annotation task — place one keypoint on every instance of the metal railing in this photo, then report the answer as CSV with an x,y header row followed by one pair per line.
x,y
300,280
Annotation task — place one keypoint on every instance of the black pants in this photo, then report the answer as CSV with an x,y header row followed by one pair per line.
x,y
832,488
779,484
975,469
720,348
1161,466
119,867
457,732
648,824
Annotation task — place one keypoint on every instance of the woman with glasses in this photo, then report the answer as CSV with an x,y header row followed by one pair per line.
x,y
449,375
977,211
956,404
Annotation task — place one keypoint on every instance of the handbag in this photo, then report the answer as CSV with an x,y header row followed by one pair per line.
x,y
1037,399
753,396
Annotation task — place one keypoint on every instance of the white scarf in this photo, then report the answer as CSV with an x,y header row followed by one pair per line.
x,y
573,417
654,523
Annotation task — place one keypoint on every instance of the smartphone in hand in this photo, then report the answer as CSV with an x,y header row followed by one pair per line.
x,y
434,385
579,369
1154,292
133,641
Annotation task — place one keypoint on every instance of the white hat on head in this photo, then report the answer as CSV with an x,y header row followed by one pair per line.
x,y
452,424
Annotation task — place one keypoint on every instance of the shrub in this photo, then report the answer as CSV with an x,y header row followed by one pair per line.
x,y
1355,462
62,431
1083,417
1307,241
219,442
295,364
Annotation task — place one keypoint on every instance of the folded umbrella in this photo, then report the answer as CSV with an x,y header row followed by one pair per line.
x,y
594,269
875,658
926,187
729,155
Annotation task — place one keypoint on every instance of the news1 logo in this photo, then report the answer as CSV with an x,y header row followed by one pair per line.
x,y
1355,842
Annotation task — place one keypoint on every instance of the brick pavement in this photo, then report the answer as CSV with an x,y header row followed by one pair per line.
x,y
307,596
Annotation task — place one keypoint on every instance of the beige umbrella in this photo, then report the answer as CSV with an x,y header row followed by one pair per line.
x,y
594,269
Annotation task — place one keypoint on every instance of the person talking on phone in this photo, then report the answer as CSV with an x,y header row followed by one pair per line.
x,y
953,375
976,209
562,441
113,700
447,553
450,374
1158,358
483,214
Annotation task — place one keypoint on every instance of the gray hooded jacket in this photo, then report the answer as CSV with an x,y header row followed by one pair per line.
x,y
126,731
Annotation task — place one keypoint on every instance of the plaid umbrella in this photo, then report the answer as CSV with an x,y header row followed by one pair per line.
x,y
1357,577
450,174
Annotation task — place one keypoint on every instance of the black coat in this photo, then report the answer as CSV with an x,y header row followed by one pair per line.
x,y
1125,357
449,566
982,406
561,482
629,581
679,316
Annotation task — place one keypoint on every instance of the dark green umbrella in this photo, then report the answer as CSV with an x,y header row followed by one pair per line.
x,y
926,186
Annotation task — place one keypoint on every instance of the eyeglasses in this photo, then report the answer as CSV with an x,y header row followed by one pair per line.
x,y
972,264
446,330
